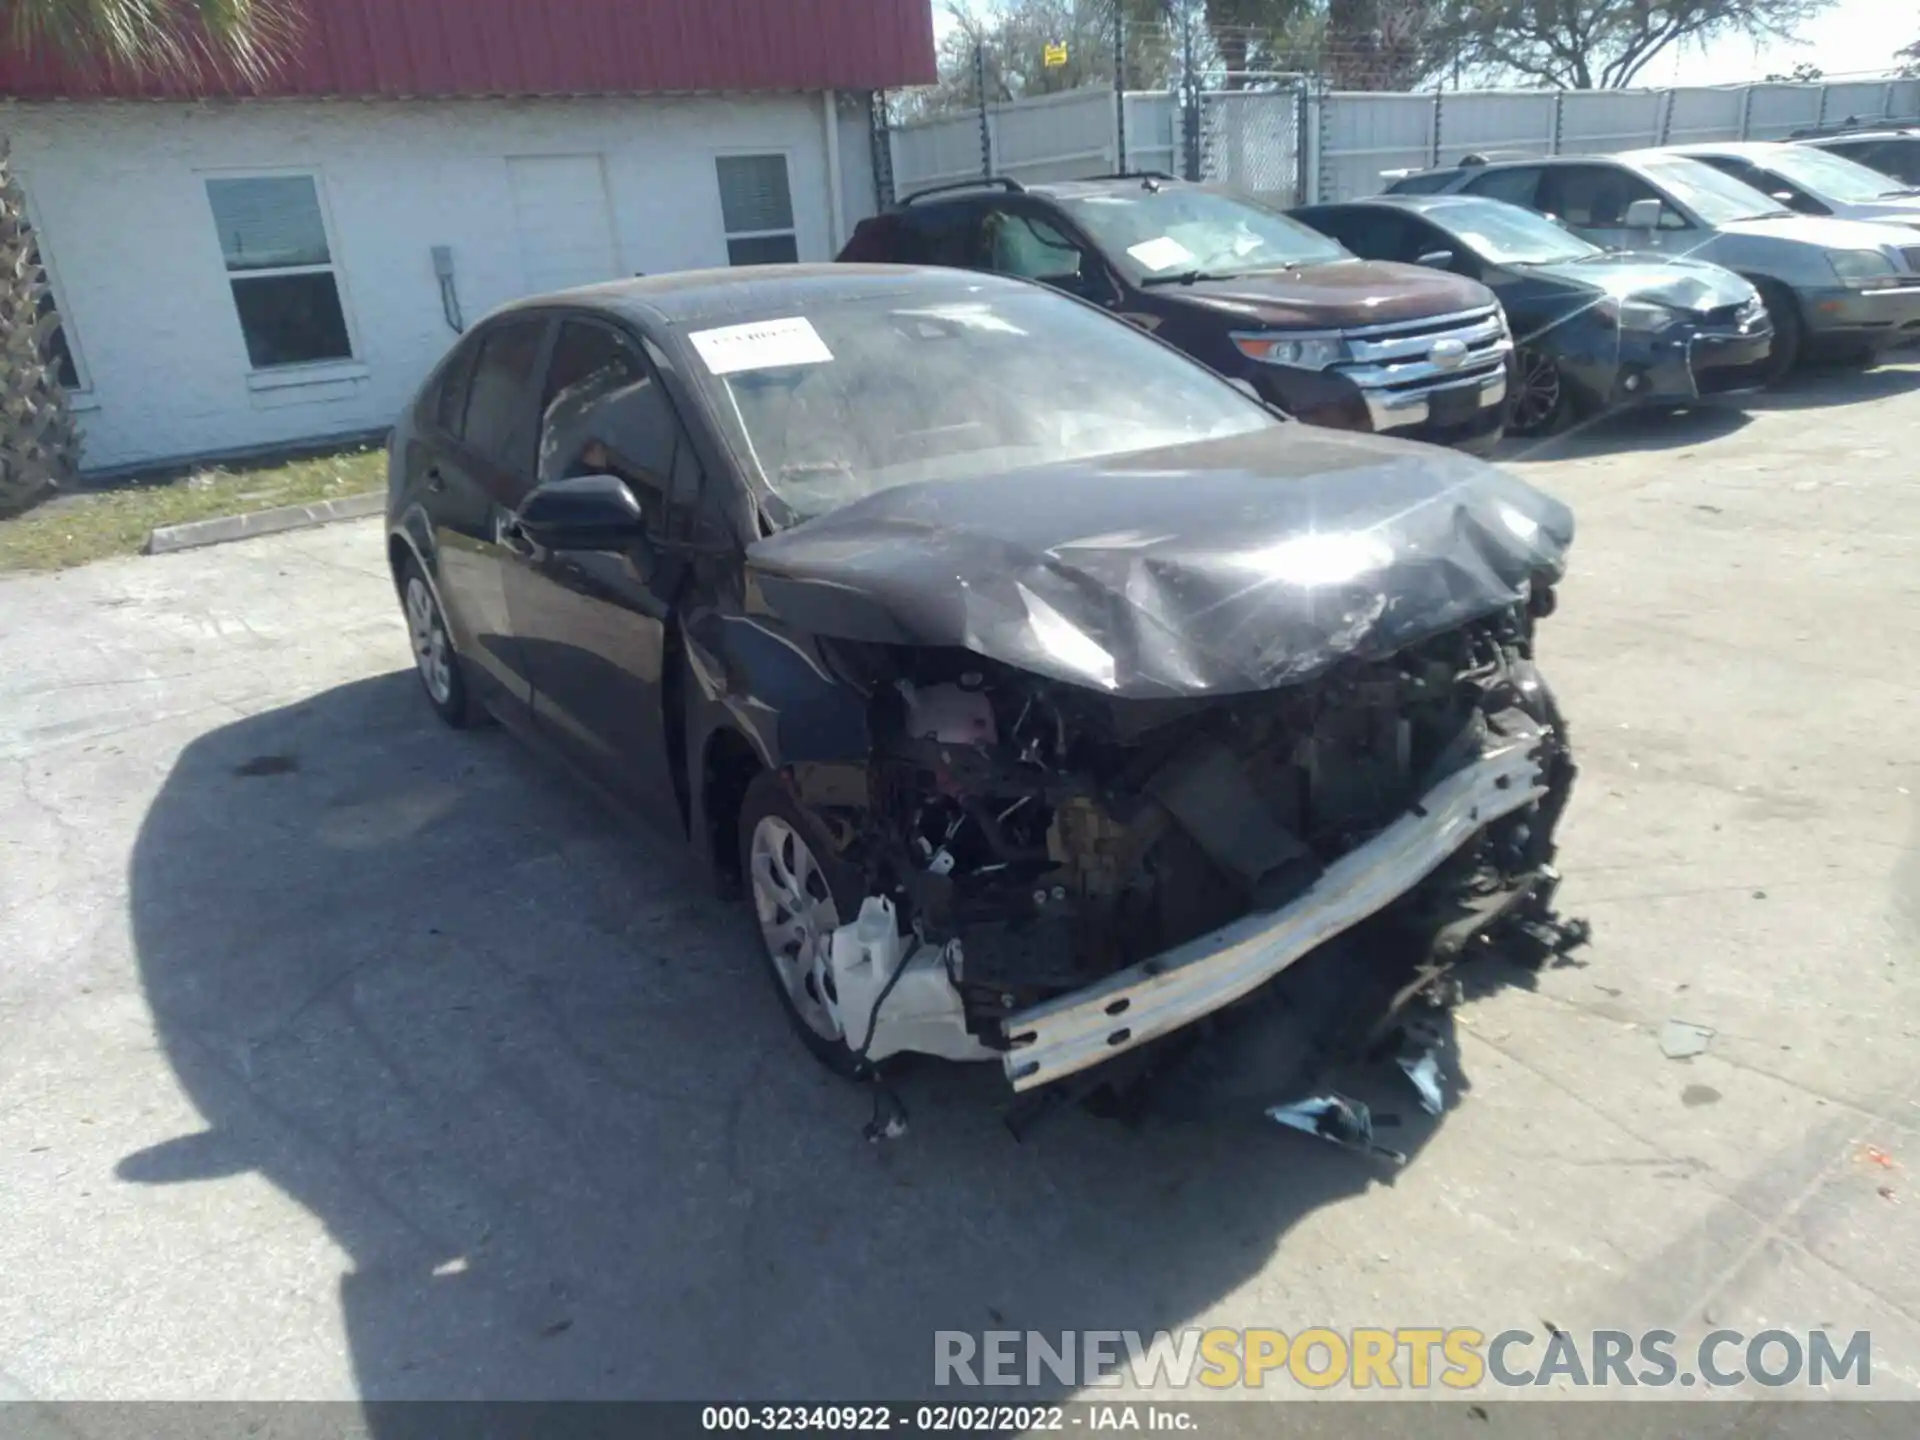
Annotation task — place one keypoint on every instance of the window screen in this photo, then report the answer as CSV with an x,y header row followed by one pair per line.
x,y
274,242
756,206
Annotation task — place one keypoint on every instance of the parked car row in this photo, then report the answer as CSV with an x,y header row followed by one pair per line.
x,y
1832,281
1055,702
1578,284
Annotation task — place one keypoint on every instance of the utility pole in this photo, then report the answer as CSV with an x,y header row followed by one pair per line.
x,y
1190,88
1120,85
980,93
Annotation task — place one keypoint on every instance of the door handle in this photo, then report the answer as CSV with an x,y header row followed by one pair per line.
x,y
436,482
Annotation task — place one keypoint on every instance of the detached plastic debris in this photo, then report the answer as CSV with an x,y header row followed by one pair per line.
x,y
1347,1123
1419,1061
1682,1039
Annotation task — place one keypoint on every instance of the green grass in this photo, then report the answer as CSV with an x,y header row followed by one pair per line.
x,y
74,529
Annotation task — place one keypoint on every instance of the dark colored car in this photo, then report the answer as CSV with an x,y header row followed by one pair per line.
x,y
1043,726
1846,288
1596,329
1329,339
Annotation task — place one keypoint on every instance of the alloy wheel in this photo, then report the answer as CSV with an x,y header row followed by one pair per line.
x,y
429,634
1540,391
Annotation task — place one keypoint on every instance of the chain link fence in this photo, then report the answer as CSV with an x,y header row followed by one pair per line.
x,y
1252,141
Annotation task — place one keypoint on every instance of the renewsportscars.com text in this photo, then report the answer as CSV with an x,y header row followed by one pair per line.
x,y
1410,1358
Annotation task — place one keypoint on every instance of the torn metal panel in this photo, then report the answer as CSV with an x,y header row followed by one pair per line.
x,y
1152,998
1225,567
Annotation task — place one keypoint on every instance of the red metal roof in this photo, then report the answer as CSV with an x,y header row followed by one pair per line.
x,y
450,48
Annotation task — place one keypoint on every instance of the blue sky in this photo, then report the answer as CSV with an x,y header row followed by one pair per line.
x,y
1854,37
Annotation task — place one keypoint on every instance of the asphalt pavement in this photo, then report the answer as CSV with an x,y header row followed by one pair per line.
x,y
343,1056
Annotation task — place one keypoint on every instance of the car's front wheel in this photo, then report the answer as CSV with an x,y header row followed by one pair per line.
x,y
434,658
1541,403
801,893
1789,331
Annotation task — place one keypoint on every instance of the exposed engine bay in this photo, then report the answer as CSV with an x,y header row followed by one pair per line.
x,y
1094,890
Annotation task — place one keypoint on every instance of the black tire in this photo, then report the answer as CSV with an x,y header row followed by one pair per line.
x,y
1542,402
1789,331
446,688
767,801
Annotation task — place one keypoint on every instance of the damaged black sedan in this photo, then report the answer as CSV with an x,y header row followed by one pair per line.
x,y
1054,703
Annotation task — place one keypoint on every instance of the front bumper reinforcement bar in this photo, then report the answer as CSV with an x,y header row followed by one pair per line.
x,y
1130,1007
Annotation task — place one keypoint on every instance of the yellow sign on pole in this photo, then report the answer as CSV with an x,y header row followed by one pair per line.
x,y
1055,56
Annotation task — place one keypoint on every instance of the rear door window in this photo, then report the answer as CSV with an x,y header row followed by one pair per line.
x,y
1596,197
499,422
1369,233
450,394
1516,186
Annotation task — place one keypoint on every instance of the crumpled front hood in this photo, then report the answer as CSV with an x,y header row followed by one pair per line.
x,y
1684,284
1338,296
1217,568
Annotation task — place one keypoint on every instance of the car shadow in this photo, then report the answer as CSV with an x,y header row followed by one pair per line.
x,y
1819,382
536,1087
1640,429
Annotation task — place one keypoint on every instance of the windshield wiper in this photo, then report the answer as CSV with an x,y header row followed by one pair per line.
x,y
1187,277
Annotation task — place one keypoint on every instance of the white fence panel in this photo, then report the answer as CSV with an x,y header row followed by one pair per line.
x,y
1363,133
1776,111
1472,121
1597,122
1706,113
1153,132
933,152
1252,140
1055,137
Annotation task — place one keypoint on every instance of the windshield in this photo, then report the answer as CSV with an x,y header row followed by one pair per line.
x,y
1714,197
1831,177
1178,230
1508,235
841,400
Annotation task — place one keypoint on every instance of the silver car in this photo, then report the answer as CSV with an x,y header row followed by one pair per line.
x,y
1846,286
1809,181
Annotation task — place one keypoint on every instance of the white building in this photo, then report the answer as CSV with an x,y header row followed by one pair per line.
x,y
234,274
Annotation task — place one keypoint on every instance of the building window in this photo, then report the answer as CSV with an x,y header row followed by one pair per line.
x,y
56,349
757,209
281,269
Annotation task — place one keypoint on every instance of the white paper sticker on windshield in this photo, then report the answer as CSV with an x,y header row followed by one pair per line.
x,y
763,345
1161,254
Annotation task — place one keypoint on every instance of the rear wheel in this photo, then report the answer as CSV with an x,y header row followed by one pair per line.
x,y
434,658
1789,330
801,893
1541,402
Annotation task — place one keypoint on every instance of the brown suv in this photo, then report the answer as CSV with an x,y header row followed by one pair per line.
x,y
1355,344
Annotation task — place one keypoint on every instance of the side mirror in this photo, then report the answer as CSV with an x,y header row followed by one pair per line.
x,y
587,512
1643,215
1436,259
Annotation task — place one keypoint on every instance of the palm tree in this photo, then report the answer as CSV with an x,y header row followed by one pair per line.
x,y
237,40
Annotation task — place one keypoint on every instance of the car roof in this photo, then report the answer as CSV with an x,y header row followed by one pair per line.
x,y
750,291
1755,149
1891,132
1419,203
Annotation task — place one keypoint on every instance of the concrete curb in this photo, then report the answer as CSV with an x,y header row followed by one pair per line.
x,y
223,528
